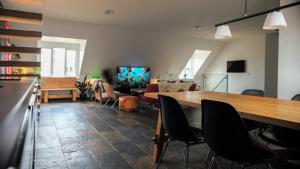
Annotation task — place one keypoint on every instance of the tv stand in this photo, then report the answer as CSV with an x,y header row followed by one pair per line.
x,y
136,91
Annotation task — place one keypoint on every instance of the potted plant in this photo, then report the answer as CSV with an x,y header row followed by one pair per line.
x,y
82,87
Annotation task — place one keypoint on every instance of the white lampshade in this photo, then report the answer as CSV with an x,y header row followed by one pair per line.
x,y
223,32
274,20
267,23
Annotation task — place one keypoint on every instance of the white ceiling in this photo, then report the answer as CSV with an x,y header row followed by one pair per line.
x,y
173,16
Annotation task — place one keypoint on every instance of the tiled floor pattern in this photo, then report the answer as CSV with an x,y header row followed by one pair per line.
x,y
85,135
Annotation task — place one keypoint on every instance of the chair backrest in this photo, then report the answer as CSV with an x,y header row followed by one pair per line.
x,y
296,97
174,120
253,92
193,87
109,91
100,88
224,130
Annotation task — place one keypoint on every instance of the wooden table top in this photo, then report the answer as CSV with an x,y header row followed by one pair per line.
x,y
279,112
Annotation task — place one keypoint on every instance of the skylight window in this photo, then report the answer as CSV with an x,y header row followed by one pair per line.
x,y
194,64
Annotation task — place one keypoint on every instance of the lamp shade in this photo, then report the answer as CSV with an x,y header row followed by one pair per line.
x,y
223,32
274,20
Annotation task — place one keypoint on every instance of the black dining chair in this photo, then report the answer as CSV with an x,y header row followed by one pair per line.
x,y
289,139
250,124
177,127
227,136
253,92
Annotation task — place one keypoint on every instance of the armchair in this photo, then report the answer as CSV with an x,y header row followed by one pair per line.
x,y
149,88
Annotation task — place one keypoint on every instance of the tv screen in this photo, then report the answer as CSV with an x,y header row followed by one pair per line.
x,y
133,77
237,66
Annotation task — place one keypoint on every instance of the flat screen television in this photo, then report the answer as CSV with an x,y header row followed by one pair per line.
x,y
236,66
133,77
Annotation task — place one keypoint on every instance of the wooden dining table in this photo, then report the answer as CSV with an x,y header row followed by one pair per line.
x,y
279,112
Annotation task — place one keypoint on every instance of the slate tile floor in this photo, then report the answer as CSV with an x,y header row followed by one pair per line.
x,y
85,135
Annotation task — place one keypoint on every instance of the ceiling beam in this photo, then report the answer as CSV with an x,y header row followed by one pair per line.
x,y
20,16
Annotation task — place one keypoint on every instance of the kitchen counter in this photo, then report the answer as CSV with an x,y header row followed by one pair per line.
x,y
11,93
15,97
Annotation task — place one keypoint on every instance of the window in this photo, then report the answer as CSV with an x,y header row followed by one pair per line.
x,y
58,62
194,64
71,63
46,62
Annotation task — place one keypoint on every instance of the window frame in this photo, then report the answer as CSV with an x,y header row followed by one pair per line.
x,y
67,47
192,63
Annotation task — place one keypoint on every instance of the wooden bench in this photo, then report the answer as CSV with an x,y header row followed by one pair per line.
x,y
58,84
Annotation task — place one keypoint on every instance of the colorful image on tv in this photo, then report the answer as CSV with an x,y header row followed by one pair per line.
x,y
133,77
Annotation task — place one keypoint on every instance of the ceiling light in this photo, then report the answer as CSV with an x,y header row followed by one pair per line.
x,y
223,32
196,26
275,20
109,12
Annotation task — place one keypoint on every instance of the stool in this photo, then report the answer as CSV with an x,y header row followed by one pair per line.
x,y
128,103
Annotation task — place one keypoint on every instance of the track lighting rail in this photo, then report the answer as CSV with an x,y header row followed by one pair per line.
x,y
258,14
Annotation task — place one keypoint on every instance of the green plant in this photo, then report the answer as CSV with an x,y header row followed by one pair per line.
x,y
82,87
96,75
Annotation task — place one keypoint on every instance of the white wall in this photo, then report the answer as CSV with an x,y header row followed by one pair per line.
x,y
289,53
251,49
108,47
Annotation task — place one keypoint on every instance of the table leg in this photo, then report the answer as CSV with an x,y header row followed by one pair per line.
x,y
158,139
45,95
74,95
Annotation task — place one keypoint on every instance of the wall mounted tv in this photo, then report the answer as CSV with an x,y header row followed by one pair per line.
x,y
236,66
133,77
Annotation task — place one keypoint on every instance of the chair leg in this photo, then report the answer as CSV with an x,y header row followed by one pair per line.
x,y
211,162
269,166
208,156
186,158
162,154
114,104
231,165
107,102
246,166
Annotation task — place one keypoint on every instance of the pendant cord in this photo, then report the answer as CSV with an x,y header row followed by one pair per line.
x,y
246,8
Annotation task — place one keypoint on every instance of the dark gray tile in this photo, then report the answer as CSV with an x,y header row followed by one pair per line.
x,y
129,149
100,125
67,132
49,153
71,140
112,160
82,162
73,147
49,162
97,147
72,155
134,136
79,126
59,166
47,141
113,136
143,162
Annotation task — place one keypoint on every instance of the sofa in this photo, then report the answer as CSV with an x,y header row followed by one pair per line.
x,y
166,87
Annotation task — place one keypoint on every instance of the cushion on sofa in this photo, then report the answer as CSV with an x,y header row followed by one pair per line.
x,y
174,87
